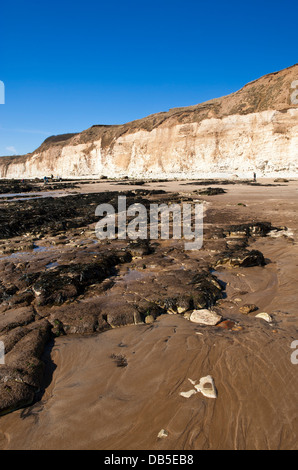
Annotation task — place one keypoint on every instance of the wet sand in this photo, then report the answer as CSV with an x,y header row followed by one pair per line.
x,y
91,403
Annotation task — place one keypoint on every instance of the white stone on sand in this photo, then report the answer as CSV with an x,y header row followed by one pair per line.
x,y
162,433
188,394
265,316
205,317
206,386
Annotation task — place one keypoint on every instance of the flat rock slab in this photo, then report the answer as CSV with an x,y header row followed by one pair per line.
x,y
16,317
205,317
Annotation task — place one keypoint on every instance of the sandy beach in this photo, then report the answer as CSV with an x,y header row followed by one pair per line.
x,y
113,385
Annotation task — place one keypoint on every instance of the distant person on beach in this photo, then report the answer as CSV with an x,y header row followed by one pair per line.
x,y
45,179
255,177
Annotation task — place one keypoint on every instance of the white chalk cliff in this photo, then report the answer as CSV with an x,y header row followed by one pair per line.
x,y
253,129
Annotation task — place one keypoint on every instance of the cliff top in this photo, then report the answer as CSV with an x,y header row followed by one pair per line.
x,y
270,92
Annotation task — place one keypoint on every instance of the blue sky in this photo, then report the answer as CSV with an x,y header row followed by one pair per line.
x,y
68,65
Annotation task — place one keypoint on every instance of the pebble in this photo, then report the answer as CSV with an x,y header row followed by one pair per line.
x,y
264,316
248,308
162,433
205,317
149,319
227,324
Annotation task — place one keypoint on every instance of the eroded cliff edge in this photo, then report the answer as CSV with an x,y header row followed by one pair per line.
x,y
253,129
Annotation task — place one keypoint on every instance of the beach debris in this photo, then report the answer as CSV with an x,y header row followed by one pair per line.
x,y
162,433
265,316
205,386
119,359
205,317
243,258
188,394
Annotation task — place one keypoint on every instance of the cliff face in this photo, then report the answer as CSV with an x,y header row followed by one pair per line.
x,y
254,129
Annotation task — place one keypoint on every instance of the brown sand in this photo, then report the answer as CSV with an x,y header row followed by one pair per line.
x,y
93,404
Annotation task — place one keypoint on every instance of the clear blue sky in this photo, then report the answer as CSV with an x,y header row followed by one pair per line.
x,y
68,65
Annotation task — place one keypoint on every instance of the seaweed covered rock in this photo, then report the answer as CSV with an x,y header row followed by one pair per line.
x,y
67,282
243,258
211,191
206,290
260,229
139,248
